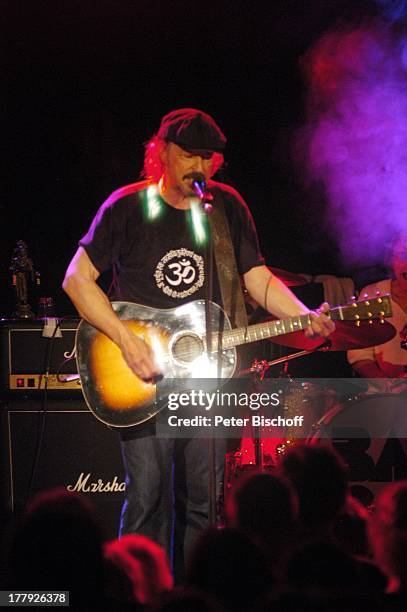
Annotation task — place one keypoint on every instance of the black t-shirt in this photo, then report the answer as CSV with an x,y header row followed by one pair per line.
x,y
157,251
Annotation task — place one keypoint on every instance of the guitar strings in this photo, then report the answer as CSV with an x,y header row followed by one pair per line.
x,y
232,337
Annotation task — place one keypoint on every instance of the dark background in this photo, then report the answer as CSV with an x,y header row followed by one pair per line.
x,y
87,83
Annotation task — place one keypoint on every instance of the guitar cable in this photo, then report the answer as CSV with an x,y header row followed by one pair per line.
x,y
41,422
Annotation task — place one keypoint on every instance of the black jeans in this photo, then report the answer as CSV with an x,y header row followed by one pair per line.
x,y
167,491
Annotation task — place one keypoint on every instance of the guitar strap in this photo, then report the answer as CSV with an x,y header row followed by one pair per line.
x,y
225,260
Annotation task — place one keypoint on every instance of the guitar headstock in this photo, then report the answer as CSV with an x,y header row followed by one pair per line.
x,y
368,308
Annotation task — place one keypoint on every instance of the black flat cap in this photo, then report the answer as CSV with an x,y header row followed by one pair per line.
x,y
192,130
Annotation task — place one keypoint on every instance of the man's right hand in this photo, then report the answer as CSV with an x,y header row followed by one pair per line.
x,y
94,306
139,356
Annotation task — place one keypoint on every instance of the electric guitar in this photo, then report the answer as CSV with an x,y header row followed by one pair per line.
x,y
119,398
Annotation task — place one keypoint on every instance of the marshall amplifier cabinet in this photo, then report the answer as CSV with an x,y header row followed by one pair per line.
x,y
28,349
77,452
52,443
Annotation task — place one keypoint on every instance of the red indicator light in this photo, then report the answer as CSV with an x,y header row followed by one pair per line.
x,y
20,382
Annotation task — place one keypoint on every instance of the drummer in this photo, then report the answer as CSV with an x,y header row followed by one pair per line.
x,y
389,360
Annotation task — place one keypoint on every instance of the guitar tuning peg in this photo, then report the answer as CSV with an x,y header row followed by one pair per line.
x,y
366,295
370,321
353,298
378,292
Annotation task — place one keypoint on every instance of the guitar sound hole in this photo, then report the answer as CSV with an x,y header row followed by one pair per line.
x,y
187,348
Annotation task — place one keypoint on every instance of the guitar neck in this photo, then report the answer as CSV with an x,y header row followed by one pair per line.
x,y
269,329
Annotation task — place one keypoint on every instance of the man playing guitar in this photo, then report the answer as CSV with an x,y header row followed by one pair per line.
x,y
145,233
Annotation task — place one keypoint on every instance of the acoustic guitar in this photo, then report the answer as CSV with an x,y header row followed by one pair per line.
x,y
119,398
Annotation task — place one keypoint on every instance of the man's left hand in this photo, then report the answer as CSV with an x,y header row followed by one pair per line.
x,y
321,325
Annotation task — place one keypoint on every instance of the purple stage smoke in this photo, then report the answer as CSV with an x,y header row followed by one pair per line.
x,y
356,137
394,10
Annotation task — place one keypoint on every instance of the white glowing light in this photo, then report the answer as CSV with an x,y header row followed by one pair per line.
x,y
198,217
154,204
160,353
202,367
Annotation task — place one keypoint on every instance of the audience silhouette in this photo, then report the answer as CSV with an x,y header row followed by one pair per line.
x,y
295,540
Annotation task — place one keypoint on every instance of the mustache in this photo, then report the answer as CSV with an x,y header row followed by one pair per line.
x,y
195,176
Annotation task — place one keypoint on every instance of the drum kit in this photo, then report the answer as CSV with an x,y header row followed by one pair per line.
x,y
323,407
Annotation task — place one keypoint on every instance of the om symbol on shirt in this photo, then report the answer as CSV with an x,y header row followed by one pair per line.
x,y
180,273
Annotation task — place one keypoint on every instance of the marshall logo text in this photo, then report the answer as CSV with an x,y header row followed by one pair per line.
x,y
84,486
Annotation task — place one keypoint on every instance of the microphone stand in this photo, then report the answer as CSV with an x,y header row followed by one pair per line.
x,y
206,200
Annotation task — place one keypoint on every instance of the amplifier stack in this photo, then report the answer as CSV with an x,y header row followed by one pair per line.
x,y
55,430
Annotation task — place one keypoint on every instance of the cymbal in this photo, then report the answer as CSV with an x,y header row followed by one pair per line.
x,y
290,278
346,336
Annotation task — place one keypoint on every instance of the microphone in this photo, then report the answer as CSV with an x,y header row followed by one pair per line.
x,y
198,184
199,188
